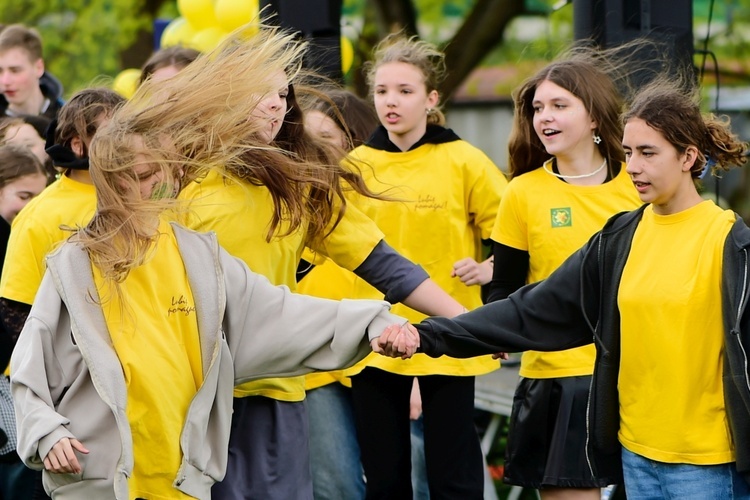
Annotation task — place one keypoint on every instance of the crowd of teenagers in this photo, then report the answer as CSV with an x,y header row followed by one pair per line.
x,y
245,282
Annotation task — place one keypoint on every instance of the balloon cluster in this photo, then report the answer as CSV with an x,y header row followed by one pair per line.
x,y
202,24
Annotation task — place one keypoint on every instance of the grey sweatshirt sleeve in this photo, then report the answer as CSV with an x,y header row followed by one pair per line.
x,y
273,332
391,273
36,383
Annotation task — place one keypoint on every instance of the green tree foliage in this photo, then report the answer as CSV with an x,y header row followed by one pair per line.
x,y
83,39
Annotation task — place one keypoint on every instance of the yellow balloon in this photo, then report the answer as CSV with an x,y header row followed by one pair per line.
x,y
207,39
231,14
177,32
126,83
199,13
347,54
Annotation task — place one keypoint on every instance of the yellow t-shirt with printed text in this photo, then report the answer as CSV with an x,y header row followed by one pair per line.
x,y
670,385
154,332
551,219
240,213
446,197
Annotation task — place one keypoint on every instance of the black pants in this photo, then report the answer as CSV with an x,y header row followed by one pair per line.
x,y
453,456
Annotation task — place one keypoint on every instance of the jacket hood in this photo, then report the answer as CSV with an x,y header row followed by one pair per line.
x,y
435,134
740,239
51,86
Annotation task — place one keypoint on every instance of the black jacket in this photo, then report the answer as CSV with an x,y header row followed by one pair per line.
x,y
51,88
577,305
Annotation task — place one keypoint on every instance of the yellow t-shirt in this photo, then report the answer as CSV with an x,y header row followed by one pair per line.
x,y
671,391
446,200
154,331
239,213
36,231
551,219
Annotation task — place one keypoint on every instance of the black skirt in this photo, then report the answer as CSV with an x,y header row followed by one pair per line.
x,y
547,435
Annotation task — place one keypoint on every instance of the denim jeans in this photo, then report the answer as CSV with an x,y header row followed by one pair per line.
x,y
647,479
418,468
19,483
334,450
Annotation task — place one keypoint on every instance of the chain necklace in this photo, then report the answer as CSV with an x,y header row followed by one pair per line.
x,y
582,176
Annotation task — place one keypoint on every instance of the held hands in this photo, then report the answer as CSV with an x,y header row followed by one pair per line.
x,y
397,341
471,272
62,459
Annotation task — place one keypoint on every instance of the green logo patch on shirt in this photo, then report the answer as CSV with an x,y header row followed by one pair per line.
x,y
561,217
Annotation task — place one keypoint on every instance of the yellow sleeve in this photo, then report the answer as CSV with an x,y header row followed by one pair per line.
x,y
352,240
24,264
510,227
486,187
313,257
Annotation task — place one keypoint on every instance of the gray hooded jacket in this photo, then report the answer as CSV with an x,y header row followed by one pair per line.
x,y
67,380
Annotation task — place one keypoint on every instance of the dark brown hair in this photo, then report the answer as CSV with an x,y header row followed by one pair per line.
x,y
16,162
349,112
673,108
79,117
176,56
583,75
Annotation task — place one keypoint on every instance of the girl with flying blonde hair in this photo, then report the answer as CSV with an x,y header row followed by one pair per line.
x,y
123,374
265,213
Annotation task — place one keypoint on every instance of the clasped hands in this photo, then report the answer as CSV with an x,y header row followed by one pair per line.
x,y
397,341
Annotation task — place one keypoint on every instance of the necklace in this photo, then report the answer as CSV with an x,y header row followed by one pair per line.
x,y
582,176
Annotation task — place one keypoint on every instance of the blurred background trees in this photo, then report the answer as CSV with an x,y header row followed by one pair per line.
x,y
89,39
490,46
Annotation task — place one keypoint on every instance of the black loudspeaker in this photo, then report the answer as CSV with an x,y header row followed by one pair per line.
x,y
319,22
610,23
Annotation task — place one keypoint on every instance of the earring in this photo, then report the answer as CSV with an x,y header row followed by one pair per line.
x,y
430,111
597,139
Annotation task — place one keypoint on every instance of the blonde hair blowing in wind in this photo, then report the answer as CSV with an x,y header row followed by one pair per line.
x,y
183,127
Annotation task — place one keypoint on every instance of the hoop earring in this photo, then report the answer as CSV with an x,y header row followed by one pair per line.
x,y
430,111
597,139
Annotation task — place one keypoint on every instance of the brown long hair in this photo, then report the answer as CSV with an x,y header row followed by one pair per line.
x,y
187,125
583,73
352,114
308,187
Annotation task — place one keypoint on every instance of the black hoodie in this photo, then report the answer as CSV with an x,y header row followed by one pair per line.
x,y
51,88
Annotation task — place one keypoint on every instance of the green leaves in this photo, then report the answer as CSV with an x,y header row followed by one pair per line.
x,y
83,39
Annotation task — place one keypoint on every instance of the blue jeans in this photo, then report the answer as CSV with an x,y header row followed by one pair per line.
x,y
17,482
647,479
334,451
418,468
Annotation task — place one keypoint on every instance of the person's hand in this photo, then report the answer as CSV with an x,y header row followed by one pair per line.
x,y
397,341
415,401
62,459
381,344
501,355
471,272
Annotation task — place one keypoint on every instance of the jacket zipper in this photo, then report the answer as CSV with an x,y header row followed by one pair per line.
x,y
740,308
591,383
